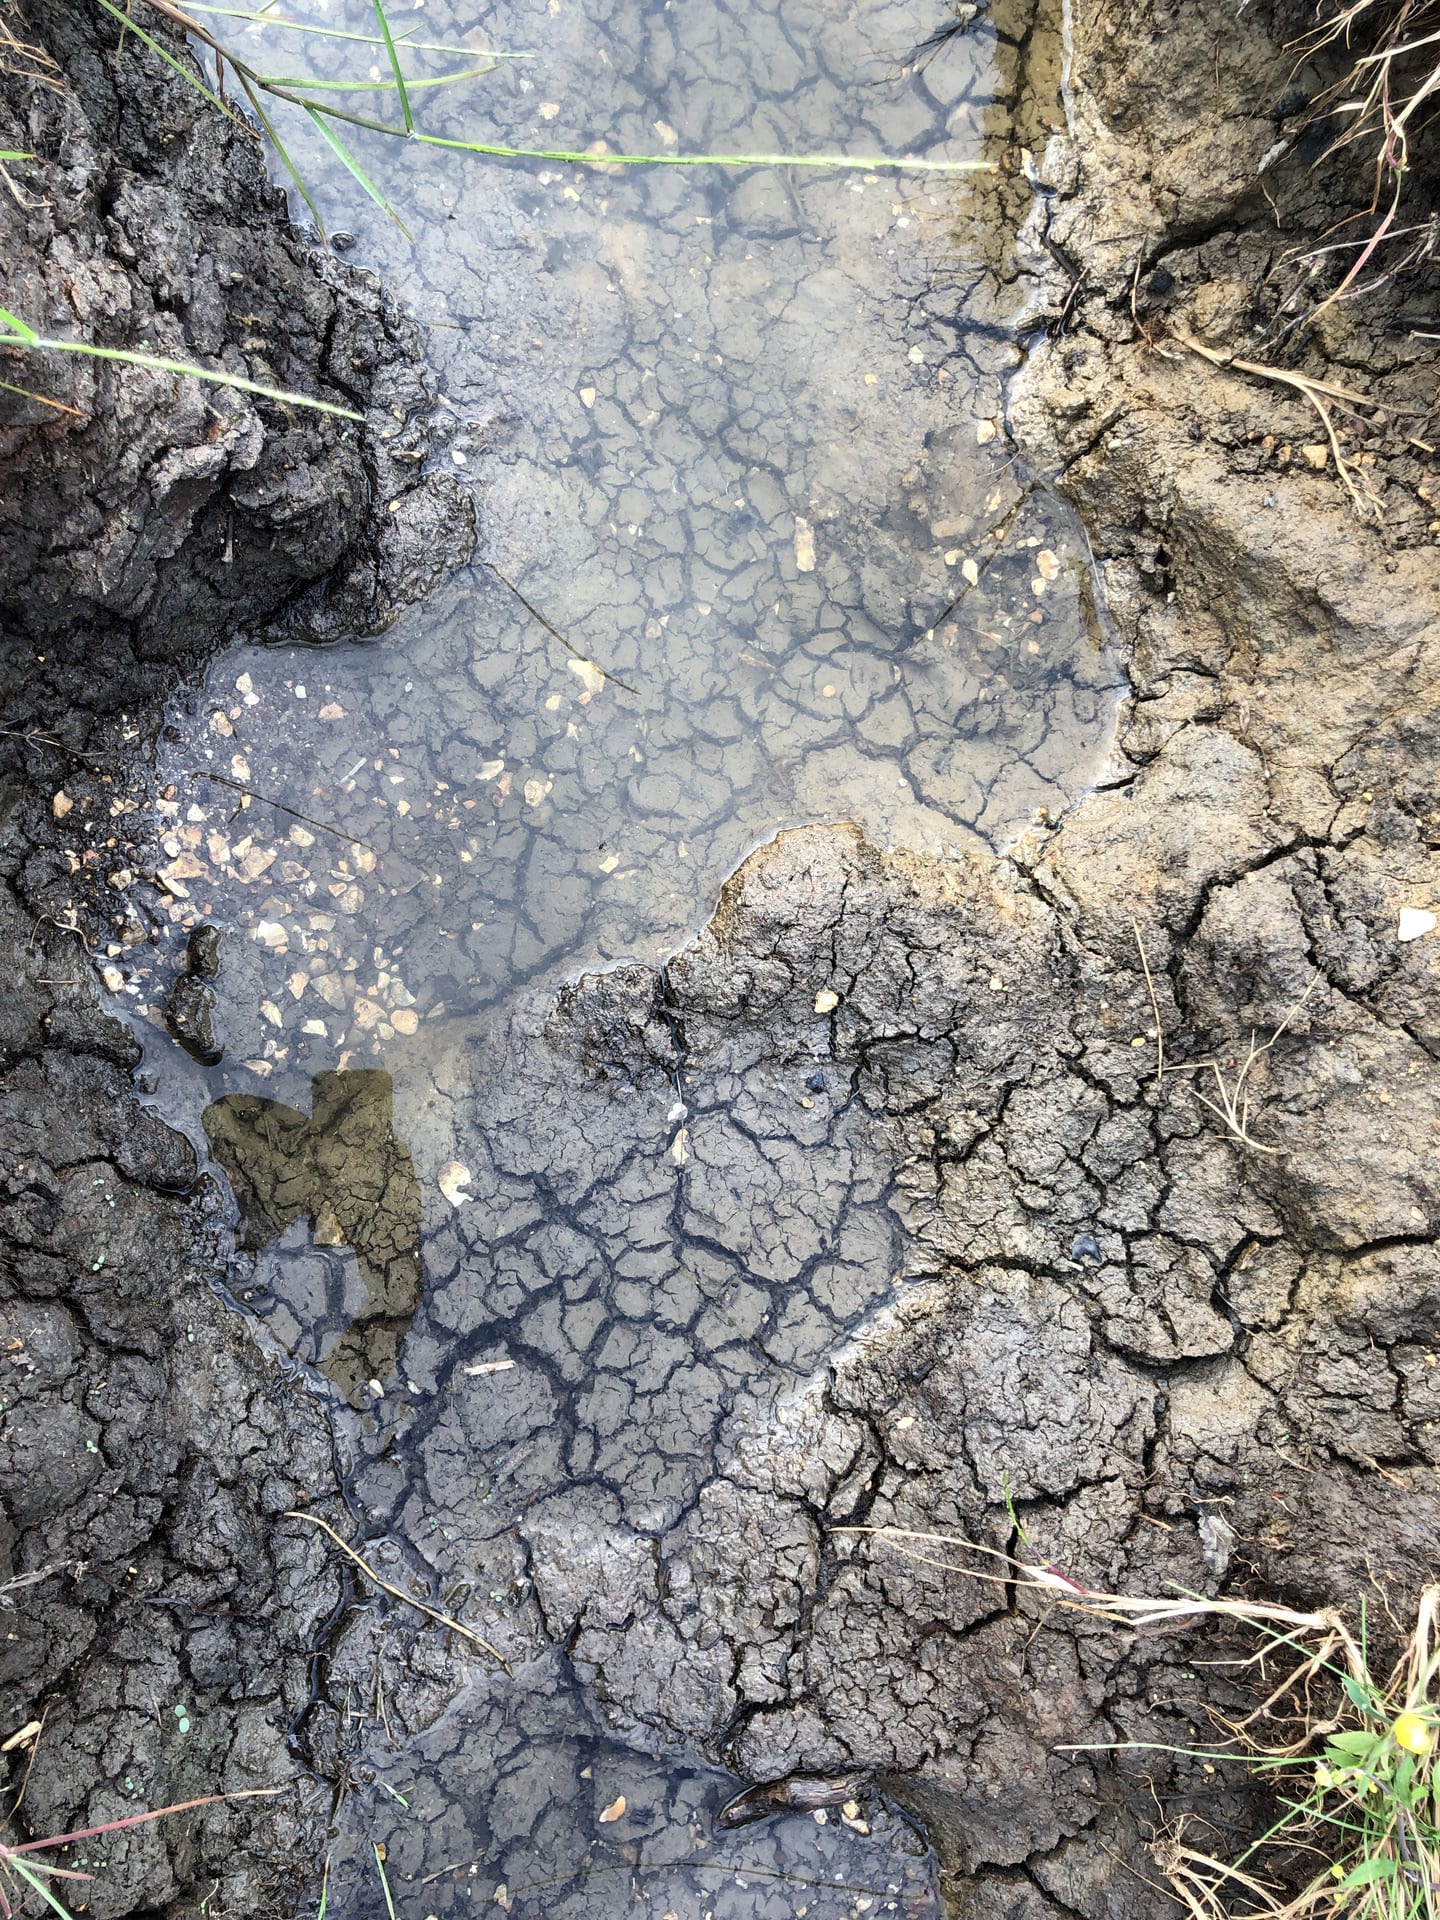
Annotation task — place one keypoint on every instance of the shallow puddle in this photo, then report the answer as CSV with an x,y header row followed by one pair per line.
x,y
754,551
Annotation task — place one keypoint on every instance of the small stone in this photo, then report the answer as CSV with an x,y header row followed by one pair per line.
x,y
985,432
452,1180
1415,923
614,1811
405,1020
804,546
826,1001
971,573
61,805
1316,456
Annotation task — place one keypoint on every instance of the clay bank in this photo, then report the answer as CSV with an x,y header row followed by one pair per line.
x,y
725,992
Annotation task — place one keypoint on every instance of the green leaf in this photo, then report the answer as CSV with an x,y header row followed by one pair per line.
x,y
1367,1872
1357,1695
395,67
177,66
304,85
33,1880
1352,1743
838,161
336,33
38,343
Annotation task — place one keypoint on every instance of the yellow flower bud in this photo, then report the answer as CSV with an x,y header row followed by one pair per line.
x,y
1413,1733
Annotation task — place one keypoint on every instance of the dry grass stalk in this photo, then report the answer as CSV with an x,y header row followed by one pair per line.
x,y
1232,1098
1366,1805
399,1593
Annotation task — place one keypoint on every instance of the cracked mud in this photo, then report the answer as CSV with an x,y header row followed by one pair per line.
x,y
869,1208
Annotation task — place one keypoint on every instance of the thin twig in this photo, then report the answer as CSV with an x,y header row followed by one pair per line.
x,y
399,1593
1154,1004
555,633
242,787
1315,391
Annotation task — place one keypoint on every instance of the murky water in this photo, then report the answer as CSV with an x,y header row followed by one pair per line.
x,y
753,552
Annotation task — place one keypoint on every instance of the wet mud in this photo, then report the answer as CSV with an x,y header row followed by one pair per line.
x,y
889,1201
147,1449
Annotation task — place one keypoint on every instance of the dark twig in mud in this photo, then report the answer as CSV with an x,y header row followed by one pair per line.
x,y
555,633
49,740
239,786
741,1872
399,1593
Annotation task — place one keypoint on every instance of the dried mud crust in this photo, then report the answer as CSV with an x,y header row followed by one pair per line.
x,y
1185,1362
146,1447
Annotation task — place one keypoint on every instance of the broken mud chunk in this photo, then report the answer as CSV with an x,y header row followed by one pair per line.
x,y
202,951
797,1793
190,1016
1085,1247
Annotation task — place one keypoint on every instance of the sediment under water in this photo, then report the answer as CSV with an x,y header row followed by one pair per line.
x,y
755,550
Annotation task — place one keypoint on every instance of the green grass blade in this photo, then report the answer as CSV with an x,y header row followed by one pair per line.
x,y
8,386
384,1882
212,375
844,162
363,39
362,86
347,159
280,148
840,161
12,153
176,66
34,1881
395,67
324,1891
24,335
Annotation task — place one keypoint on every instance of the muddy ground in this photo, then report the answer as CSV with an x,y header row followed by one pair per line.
x,y
1185,1358
146,1448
